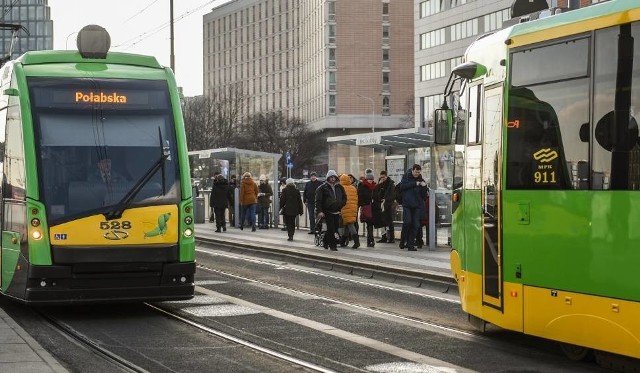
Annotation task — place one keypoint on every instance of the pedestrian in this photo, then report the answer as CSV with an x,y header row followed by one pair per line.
x,y
219,200
383,196
248,200
353,179
424,223
282,183
329,201
365,198
349,213
414,192
290,207
264,202
232,208
309,199
211,209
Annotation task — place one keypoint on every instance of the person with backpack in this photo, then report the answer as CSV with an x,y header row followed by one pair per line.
x,y
384,195
414,192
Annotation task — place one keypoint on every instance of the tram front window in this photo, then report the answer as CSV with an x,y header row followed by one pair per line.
x,y
91,155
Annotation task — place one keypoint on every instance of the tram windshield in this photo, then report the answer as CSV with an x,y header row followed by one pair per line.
x,y
95,139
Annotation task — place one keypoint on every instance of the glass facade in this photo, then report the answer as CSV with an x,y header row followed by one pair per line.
x,y
35,16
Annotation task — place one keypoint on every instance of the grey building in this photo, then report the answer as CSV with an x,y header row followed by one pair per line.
x,y
35,16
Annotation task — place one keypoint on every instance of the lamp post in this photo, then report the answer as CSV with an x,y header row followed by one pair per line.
x,y
373,128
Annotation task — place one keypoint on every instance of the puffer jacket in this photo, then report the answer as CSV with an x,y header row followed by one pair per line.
x,y
248,192
350,210
290,201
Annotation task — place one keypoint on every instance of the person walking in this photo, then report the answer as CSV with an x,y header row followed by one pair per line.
x,y
349,213
414,192
309,199
290,207
330,199
383,195
219,201
264,202
365,198
248,200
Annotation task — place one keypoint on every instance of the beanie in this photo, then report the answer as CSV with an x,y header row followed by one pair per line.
x,y
368,174
290,181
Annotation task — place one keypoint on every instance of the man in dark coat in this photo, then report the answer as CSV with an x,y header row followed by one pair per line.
x,y
414,192
309,199
290,206
383,195
329,201
220,199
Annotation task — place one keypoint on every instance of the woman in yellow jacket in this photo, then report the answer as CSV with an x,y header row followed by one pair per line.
x,y
350,212
248,199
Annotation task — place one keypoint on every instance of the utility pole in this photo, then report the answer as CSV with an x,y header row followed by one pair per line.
x,y
172,58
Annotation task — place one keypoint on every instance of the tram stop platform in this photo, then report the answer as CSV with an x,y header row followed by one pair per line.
x,y
384,260
19,352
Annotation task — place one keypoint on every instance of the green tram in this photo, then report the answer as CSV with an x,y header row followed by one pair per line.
x,y
546,210
96,198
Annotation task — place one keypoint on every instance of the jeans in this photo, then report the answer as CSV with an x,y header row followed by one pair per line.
x,y
249,213
410,225
263,216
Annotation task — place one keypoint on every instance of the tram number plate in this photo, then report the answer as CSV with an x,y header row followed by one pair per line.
x,y
115,224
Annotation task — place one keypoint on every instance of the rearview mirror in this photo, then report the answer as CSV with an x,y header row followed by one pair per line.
x,y
443,126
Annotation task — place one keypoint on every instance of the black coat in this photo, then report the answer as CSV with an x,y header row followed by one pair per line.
x,y
310,188
328,202
384,191
221,194
290,201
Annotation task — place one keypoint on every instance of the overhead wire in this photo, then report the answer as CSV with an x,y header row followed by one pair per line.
x,y
140,12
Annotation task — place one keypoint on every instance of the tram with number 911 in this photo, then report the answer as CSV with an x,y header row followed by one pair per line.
x,y
96,197
546,216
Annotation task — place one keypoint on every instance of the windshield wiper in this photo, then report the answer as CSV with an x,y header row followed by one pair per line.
x,y
118,209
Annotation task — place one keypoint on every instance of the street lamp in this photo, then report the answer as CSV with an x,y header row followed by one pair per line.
x,y
373,128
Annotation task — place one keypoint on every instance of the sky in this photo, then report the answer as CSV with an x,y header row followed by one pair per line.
x,y
141,26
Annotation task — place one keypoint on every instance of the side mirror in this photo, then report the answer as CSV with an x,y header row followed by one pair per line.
x,y
443,126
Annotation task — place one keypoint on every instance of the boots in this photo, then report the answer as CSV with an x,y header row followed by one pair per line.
x,y
383,239
390,237
370,241
356,242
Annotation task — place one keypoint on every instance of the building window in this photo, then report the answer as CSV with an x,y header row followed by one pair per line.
x,y
332,10
332,80
430,7
332,104
432,71
385,12
493,21
432,38
464,29
332,34
385,57
385,81
385,34
386,105
332,57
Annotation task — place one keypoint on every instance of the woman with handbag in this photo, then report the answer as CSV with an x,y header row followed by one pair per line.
x,y
365,198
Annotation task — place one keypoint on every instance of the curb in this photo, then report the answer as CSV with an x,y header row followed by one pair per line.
x,y
388,273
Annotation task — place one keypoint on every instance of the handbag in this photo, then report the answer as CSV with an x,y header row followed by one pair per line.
x,y
365,213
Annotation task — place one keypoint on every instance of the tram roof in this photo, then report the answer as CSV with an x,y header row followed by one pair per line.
x,y
72,56
403,138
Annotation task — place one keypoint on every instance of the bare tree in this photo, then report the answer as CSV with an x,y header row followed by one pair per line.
x,y
274,133
408,120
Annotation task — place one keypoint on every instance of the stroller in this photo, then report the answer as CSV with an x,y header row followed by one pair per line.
x,y
321,231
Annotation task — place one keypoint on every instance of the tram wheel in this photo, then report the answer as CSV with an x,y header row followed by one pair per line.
x,y
576,353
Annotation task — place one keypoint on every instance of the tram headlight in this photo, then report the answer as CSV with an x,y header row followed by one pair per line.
x,y
188,220
188,232
35,222
36,234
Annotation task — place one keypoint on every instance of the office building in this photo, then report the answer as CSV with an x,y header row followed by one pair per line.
x,y
35,16
342,66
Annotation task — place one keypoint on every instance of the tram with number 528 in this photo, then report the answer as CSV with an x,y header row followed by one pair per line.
x,y
96,198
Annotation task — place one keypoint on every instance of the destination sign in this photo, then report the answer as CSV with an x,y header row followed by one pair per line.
x,y
100,97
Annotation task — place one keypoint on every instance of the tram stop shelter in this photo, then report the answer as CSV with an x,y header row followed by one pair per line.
x,y
395,151
231,161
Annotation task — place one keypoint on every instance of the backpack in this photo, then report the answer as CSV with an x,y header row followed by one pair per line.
x,y
397,192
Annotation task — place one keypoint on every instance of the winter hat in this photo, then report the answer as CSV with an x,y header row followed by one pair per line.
x,y
290,181
368,174
332,173
263,178
246,174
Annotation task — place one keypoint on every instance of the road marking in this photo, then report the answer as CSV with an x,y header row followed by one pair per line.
x,y
407,368
343,334
220,310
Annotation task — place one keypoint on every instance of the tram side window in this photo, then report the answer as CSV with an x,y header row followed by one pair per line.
x,y
548,107
14,169
616,159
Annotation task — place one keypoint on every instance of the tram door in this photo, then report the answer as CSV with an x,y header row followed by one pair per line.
x,y
491,225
